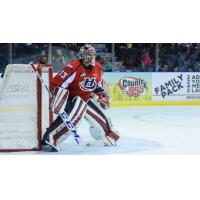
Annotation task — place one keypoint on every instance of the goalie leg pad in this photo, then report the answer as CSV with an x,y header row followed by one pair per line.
x,y
59,100
48,138
58,132
100,124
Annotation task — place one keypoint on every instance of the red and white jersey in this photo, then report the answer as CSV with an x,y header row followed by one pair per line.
x,y
79,80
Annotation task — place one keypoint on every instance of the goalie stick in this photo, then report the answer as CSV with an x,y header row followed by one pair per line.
x,y
63,115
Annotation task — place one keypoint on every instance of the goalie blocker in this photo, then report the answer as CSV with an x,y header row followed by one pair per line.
x,y
101,128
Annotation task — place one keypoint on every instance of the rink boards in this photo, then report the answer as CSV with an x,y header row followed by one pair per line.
x,y
154,89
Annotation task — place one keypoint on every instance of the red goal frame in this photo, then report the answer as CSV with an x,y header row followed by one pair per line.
x,y
39,110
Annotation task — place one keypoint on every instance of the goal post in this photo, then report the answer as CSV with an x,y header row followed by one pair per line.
x,y
24,107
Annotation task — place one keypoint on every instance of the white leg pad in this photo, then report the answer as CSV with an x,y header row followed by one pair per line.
x,y
100,124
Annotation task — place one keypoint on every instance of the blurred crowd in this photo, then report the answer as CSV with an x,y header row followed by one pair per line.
x,y
179,57
138,57
172,57
134,57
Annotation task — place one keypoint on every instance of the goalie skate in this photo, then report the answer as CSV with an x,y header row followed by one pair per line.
x,y
47,145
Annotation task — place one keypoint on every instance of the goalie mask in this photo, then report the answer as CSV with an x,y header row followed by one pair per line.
x,y
87,54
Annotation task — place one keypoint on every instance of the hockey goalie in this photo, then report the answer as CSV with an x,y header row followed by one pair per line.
x,y
79,90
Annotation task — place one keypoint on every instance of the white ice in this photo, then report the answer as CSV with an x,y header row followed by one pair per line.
x,y
144,130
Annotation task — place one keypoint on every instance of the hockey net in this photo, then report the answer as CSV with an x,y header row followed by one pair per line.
x,y
24,107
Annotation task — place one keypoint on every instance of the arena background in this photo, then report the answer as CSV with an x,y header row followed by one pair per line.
x,y
141,61
120,21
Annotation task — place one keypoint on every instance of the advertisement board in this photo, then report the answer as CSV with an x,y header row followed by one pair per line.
x,y
149,89
128,89
176,86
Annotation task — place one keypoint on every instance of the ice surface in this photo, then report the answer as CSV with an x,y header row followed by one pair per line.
x,y
144,130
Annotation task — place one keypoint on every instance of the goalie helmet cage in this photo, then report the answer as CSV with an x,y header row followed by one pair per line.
x,y
24,107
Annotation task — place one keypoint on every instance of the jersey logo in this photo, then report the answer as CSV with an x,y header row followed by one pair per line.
x,y
88,84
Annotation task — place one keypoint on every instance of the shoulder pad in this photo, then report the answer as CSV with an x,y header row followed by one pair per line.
x,y
73,65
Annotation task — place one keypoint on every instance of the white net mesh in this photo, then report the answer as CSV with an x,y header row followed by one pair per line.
x,y
19,108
